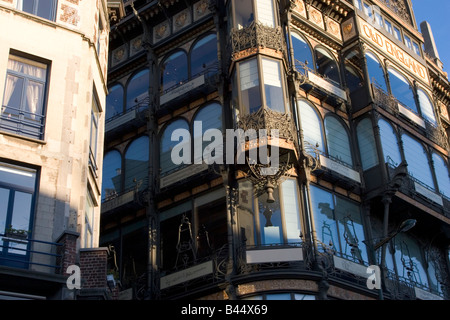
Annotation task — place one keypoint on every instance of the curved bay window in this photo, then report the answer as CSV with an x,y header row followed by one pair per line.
x,y
376,71
167,144
402,89
264,223
366,143
137,88
136,164
338,140
442,174
204,55
261,82
389,143
245,12
426,107
338,224
417,159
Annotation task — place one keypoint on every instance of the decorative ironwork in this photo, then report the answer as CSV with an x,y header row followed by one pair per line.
x,y
399,7
256,35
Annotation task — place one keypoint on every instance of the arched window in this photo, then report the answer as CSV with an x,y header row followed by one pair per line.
x,y
136,163
376,72
166,145
389,143
112,174
326,65
442,174
204,55
366,143
416,157
210,117
353,79
174,70
302,52
137,88
426,107
311,125
337,140
114,101
401,89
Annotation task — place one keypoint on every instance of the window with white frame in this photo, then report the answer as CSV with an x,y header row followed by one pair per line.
x,y
22,111
89,221
42,8
93,137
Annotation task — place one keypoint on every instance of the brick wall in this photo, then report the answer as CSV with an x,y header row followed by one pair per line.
x,y
67,250
93,267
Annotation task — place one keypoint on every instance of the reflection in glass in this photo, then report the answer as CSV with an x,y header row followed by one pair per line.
x,y
442,174
416,157
401,89
366,142
302,53
426,107
389,143
112,173
210,117
326,65
137,88
250,90
273,88
204,55
114,101
376,73
174,70
244,15
136,163
311,125
270,219
337,140
166,145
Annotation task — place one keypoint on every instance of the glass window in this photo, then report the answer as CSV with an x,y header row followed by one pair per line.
x,y
416,157
136,164
401,89
408,42
442,174
93,143
409,259
337,140
388,26
174,70
266,12
426,107
137,88
22,109
397,33
89,221
338,224
114,101
210,117
41,8
249,83
366,143
353,79
416,48
273,85
243,13
311,125
166,145
204,55
376,72
272,227
112,175
326,65
389,143
17,194
368,10
358,4
302,53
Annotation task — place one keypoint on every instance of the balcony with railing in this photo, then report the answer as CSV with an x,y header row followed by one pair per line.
x,y
21,122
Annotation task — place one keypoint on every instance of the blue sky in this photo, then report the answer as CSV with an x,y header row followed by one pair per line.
x,y
437,13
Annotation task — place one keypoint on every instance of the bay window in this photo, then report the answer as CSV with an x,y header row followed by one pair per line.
x,y
261,82
247,11
401,89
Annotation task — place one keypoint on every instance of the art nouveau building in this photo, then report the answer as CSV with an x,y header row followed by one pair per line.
x,y
359,100
53,68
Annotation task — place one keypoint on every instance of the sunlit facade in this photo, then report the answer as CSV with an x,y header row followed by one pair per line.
x,y
360,103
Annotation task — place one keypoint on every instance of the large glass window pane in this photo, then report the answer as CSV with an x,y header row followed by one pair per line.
x,y
174,70
351,230
353,79
302,53
326,65
204,55
112,175
12,97
273,87
366,142
389,143
401,89
323,210
416,157
270,219
250,90
137,88
210,117
376,73
166,145
42,8
244,14
337,140
291,211
114,101
136,163
266,13
442,175
311,125
426,107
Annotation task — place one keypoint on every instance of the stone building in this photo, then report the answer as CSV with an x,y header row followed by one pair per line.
x,y
354,102
53,73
